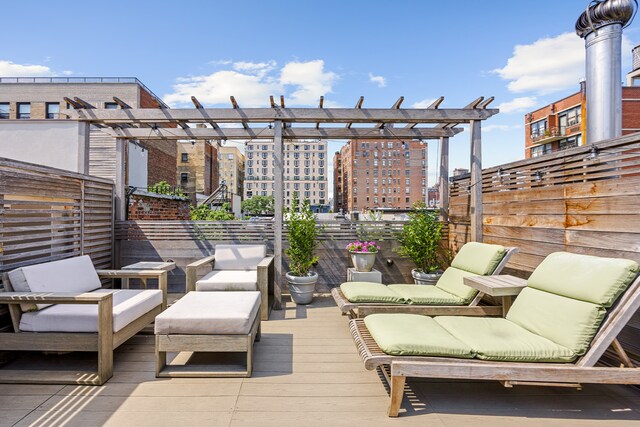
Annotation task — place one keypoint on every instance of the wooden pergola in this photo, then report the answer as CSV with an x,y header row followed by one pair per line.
x,y
279,123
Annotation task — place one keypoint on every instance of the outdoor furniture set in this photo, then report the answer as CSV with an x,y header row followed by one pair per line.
x,y
60,306
565,316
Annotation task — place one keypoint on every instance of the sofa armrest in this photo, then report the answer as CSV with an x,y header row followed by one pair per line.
x,y
266,262
53,297
265,278
191,271
161,275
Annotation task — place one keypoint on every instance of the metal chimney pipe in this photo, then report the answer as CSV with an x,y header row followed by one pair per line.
x,y
601,27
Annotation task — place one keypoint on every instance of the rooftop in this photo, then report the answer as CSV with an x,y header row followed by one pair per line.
x,y
307,370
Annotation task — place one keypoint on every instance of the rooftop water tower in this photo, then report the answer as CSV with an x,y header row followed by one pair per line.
x,y
600,25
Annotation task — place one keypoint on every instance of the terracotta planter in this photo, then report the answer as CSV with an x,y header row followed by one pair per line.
x,y
363,261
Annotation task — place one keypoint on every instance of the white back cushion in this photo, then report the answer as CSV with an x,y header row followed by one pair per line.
x,y
68,275
239,257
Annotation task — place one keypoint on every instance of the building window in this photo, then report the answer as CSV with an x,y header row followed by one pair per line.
x,y
53,110
24,110
185,157
572,142
4,110
540,150
538,128
184,178
111,106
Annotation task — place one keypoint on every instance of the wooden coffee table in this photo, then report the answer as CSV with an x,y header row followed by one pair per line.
x,y
147,265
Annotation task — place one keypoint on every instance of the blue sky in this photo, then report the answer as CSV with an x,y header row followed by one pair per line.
x,y
526,54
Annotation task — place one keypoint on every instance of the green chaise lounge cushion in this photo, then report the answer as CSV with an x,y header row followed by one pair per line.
x,y
452,281
567,295
370,292
498,339
414,335
479,258
584,277
428,295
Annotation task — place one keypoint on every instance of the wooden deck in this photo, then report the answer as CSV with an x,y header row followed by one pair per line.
x,y
307,371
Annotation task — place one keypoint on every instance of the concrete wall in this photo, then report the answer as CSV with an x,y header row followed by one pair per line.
x,y
59,144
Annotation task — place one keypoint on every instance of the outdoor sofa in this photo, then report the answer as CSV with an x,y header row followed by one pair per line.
x,y
60,306
450,296
558,328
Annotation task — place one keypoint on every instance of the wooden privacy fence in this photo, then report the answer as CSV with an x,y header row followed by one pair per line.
x,y
581,200
188,241
48,214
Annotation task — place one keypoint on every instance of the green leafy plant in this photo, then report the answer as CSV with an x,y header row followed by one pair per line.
x,y
205,213
420,239
258,205
163,187
302,236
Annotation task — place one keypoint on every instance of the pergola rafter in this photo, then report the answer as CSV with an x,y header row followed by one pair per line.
x,y
280,123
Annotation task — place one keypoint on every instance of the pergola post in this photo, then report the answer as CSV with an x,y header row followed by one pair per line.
x,y
121,170
278,216
444,179
476,181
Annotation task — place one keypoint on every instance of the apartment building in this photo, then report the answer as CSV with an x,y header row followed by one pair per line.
x,y
40,100
197,168
380,175
231,169
305,172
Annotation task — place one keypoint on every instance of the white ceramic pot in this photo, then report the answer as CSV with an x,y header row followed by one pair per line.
x,y
302,287
363,261
425,278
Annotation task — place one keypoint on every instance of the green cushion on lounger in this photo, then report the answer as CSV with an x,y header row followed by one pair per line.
x,y
452,281
565,321
370,292
494,338
587,278
479,258
426,295
414,335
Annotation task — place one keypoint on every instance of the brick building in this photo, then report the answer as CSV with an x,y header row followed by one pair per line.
x,y
231,167
562,124
43,98
337,182
197,168
305,172
380,174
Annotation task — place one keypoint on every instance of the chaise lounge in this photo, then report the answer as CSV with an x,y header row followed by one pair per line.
x,y
450,296
558,328
60,306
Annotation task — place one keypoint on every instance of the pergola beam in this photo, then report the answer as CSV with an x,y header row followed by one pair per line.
x,y
357,107
294,115
201,108
396,105
237,108
287,133
320,105
433,106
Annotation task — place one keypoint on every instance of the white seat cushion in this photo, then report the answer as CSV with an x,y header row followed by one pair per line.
x,y
128,305
229,280
68,275
210,313
239,257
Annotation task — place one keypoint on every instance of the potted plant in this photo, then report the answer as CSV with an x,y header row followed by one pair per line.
x,y
420,241
363,254
303,241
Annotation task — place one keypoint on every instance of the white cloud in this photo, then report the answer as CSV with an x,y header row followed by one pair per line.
x,y
311,81
424,103
11,69
518,105
379,80
545,66
500,128
251,84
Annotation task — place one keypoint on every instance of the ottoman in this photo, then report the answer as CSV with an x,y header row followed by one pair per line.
x,y
208,322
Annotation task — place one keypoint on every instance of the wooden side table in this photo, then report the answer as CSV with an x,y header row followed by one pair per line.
x,y
503,286
147,265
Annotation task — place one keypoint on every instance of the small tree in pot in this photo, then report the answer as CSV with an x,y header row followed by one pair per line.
x,y
420,241
303,241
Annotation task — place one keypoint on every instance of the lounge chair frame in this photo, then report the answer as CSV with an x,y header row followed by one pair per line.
x,y
265,277
358,310
510,373
103,342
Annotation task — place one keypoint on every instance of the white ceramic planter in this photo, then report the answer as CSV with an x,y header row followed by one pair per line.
x,y
302,287
425,278
363,261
